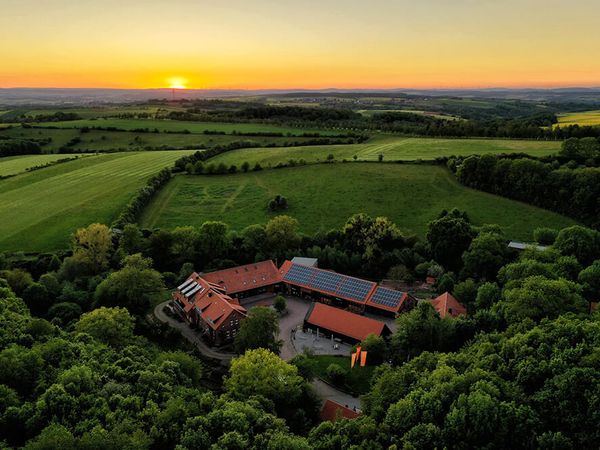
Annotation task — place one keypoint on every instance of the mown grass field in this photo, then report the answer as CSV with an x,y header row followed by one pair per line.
x,y
179,126
41,209
393,148
16,164
589,118
322,197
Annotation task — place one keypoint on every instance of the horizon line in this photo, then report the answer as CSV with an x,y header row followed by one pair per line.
x,y
307,89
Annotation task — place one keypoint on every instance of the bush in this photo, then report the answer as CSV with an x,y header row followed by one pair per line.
x,y
545,235
279,304
336,374
279,203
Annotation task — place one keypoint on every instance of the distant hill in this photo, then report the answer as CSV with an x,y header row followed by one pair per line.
x,y
80,96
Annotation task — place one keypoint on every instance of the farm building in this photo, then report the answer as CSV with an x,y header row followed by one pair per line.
x,y
206,306
343,291
343,325
246,281
333,411
447,305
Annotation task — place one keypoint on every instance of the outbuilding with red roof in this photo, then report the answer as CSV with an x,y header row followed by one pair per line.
x,y
447,305
344,325
333,411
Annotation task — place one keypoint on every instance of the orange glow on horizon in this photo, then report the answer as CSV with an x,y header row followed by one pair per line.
x,y
177,83
260,44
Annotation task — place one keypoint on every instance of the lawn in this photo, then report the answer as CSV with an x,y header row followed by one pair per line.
x,y
391,147
589,118
41,209
192,127
358,380
323,196
12,165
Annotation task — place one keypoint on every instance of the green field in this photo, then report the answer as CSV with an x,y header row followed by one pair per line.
x,y
371,112
97,140
179,126
40,209
589,118
322,197
16,164
392,147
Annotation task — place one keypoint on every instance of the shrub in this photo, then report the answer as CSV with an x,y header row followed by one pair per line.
x,y
336,374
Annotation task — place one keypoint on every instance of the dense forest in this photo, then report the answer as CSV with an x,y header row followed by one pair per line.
x,y
82,364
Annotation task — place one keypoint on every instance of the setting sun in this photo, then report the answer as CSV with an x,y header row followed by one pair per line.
x,y
177,83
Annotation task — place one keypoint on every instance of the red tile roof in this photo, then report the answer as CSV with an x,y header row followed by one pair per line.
x,y
208,299
343,322
333,411
446,304
215,308
243,278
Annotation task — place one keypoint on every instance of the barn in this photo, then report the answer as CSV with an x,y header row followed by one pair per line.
x,y
344,325
343,291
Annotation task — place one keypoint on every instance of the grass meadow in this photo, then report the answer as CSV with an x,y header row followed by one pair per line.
x,y
100,140
41,209
393,148
180,126
323,196
589,118
11,165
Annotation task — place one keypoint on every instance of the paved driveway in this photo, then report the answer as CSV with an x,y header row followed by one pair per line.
x,y
296,311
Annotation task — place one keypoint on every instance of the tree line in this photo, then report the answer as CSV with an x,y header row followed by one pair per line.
x,y
565,184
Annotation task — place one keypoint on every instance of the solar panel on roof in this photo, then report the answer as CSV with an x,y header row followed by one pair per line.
x,y
185,284
189,288
355,289
327,281
193,291
331,282
299,274
387,297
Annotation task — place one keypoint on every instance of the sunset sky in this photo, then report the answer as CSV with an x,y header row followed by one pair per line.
x,y
299,43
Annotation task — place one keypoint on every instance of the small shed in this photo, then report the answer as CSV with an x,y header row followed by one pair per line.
x,y
304,261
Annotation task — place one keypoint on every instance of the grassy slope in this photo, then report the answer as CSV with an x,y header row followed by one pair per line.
x,y
392,147
59,137
174,125
322,197
40,209
16,164
579,118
